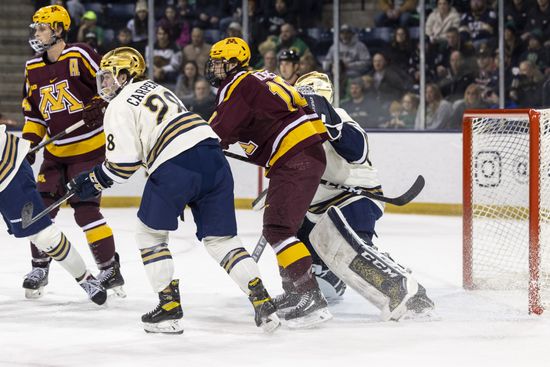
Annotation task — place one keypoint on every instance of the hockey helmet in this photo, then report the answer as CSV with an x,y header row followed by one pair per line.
x,y
289,55
52,16
315,83
222,53
112,64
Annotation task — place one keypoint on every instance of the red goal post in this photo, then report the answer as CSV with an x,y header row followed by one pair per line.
x,y
506,202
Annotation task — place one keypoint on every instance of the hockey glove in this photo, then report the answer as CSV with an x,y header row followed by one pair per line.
x,y
89,184
31,158
93,112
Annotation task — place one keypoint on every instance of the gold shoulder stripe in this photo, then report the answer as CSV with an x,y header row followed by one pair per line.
x,y
81,57
234,85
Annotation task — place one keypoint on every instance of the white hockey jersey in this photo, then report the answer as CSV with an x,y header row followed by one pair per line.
x,y
359,173
13,151
146,125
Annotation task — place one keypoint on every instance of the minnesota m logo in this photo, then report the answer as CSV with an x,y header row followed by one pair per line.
x,y
56,98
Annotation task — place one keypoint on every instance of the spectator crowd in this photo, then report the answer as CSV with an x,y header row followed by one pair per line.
x,y
379,66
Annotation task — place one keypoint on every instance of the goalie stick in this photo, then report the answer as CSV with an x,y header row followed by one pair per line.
x,y
401,200
68,130
26,213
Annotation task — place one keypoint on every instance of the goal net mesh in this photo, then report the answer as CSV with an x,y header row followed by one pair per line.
x,y
500,202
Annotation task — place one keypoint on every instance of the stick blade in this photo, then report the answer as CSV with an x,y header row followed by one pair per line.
x,y
26,214
411,194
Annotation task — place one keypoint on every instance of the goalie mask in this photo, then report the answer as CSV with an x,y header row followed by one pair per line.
x,y
315,83
116,63
46,22
222,55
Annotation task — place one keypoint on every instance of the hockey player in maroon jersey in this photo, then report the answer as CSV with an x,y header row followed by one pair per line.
x,y
272,123
59,91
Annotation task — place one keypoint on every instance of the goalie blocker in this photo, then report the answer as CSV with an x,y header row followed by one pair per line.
x,y
374,275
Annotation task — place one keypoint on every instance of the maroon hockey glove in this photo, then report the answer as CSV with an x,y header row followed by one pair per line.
x,y
93,112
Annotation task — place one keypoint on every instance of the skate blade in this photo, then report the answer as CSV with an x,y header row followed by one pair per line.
x,y
283,311
272,323
164,327
118,292
313,319
34,293
424,316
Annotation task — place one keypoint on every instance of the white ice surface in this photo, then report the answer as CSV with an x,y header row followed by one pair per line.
x,y
65,329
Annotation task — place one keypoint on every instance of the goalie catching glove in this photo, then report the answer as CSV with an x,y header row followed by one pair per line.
x,y
89,184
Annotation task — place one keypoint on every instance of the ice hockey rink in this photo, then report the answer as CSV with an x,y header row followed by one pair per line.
x,y
65,329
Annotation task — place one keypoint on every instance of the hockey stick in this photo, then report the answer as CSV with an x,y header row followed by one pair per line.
x,y
237,157
26,213
68,130
259,249
401,200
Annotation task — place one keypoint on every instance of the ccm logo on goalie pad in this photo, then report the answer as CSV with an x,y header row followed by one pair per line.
x,y
380,264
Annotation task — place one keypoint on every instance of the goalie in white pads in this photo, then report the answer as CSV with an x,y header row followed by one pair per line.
x,y
147,125
339,225
17,188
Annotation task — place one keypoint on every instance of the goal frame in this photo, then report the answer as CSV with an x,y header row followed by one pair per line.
x,y
535,306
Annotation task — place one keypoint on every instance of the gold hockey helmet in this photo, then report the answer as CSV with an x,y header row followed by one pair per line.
x,y
110,67
315,83
223,53
231,48
51,16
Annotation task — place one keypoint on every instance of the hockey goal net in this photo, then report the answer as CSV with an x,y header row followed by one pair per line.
x,y
506,202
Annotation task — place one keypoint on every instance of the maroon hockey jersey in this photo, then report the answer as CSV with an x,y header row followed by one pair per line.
x,y
53,99
266,116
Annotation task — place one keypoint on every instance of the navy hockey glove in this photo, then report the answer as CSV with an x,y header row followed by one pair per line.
x,y
89,184
93,112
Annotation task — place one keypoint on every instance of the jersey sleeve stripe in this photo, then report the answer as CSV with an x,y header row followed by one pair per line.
x,y
38,121
176,127
9,156
32,127
85,54
295,136
122,170
78,138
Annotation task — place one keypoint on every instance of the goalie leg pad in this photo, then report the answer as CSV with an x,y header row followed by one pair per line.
x,y
53,242
372,274
233,258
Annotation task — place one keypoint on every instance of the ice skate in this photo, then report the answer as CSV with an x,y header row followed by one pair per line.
x,y
35,281
310,310
93,287
420,306
285,302
264,308
111,278
166,316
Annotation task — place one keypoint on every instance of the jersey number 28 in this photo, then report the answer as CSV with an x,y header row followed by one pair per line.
x,y
156,103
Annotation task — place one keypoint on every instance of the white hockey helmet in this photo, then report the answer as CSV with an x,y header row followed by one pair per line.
x,y
315,83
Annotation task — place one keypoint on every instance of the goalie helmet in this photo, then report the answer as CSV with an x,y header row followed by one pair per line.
x,y
228,50
51,16
315,83
115,62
